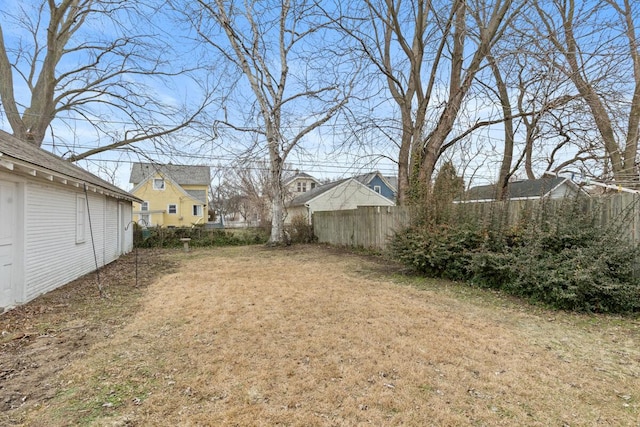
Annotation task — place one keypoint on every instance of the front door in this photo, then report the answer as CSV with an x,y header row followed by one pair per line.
x,y
8,233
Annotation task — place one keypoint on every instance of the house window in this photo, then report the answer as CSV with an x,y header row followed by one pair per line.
x,y
81,218
377,189
144,217
197,210
172,209
158,184
304,187
313,185
299,187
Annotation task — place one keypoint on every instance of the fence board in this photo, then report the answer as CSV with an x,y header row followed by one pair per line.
x,y
368,226
371,226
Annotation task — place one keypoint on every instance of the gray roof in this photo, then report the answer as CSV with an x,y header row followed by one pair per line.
x,y
393,181
28,153
198,195
305,197
299,175
182,174
365,178
530,188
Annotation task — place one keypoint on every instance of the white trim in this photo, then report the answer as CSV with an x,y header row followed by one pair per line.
x,y
16,165
81,218
160,187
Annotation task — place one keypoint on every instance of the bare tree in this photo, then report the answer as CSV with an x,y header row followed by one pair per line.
x,y
539,99
415,45
601,57
250,180
55,62
277,46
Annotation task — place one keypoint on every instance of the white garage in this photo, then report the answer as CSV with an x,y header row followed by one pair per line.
x,y
57,222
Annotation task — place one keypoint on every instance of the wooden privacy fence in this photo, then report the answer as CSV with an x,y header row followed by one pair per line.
x,y
367,226
620,210
372,226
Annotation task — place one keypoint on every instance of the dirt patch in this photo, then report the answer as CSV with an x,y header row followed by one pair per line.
x,y
43,337
310,336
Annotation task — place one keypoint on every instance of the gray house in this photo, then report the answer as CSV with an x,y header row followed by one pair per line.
x,y
56,221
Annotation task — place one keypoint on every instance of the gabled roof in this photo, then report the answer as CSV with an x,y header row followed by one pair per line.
x,y
195,195
312,194
393,182
198,195
526,189
181,174
363,179
368,177
26,157
300,175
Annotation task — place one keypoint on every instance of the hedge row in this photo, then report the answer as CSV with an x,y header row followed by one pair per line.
x,y
158,237
566,260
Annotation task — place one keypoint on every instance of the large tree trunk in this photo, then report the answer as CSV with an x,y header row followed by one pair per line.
x,y
507,113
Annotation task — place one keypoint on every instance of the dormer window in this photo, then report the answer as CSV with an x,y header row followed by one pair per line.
x,y
158,184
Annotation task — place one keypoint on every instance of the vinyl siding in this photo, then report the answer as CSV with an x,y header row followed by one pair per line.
x,y
349,195
384,190
111,229
346,196
52,256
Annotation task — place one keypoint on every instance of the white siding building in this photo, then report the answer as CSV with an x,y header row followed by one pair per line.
x,y
53,217
339,195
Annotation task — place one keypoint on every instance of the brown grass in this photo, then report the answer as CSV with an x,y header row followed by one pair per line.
x,y
311,336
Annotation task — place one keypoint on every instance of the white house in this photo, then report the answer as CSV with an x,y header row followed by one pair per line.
x,y
339,195
57,221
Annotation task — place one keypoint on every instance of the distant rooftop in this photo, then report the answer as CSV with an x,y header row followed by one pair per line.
x,y
529,188
182,174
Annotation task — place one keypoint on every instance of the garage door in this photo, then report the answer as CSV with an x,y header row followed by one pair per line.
x,y
8,232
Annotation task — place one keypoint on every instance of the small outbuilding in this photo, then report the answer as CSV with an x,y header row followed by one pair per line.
x,y
345,194
57,222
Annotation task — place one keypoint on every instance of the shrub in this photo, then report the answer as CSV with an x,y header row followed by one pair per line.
x,y
438,250
558,255
158,237
300,231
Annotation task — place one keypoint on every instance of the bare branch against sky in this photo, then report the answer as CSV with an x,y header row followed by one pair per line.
x,y
295,86
518,87
98,61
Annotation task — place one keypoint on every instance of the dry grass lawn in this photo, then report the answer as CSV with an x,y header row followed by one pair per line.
x,y
309,336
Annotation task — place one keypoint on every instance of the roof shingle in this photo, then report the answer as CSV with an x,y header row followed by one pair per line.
x,y
182,174
12,147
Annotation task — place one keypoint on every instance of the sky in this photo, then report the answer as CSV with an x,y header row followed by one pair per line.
x,y
332,151
72,133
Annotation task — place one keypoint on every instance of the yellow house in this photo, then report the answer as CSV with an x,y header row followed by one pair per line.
x,y
173,195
